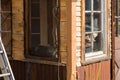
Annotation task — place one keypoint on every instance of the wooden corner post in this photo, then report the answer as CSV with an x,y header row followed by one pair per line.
x,y
18,29
71,41
113,40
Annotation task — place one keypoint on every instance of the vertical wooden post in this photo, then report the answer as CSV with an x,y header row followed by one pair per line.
x,y
18,29
113,42
71,40
83,31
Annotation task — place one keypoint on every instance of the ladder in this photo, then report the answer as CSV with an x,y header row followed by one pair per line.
x,y
5,68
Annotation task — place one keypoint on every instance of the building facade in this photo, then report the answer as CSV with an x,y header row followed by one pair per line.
x,y
58,39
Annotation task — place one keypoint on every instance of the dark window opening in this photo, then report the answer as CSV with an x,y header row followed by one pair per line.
x,y
42,28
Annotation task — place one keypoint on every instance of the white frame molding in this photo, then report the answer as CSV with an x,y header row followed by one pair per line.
x,y
87,58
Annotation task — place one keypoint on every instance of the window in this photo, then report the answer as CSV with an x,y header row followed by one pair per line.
x,y
41,28
95,29
34,23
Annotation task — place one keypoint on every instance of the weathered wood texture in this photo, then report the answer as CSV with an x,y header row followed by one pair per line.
x,y
63,30
71,40
37,71
18,70
117,41
113,39
6,24
97,71
79,21
18,29
117,58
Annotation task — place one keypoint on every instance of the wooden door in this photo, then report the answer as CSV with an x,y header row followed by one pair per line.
x,y
116,36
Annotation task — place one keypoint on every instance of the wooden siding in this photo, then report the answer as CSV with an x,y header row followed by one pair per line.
x,y
63,30
117,41
34,71
18,29
117,58
6,24
97,71
71,40
78,31
18,70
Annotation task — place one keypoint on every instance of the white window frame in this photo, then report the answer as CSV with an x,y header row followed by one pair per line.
x,y
99,55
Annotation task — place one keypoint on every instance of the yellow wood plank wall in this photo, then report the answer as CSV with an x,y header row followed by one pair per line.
x,y
18,30
63,30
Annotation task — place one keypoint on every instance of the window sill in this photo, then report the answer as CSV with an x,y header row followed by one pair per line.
x,y
38,61
95,59
44,62
89,55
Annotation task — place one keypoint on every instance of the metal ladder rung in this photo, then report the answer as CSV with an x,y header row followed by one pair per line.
x,y
1,51
6,74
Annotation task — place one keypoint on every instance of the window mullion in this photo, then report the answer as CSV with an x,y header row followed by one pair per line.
x,y
102,22
103,34
30,42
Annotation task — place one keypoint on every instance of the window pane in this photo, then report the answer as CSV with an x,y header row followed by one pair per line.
x,y
97,42
35,40
87,4
35,25
35,10
88,22
97,21
97,5
88,45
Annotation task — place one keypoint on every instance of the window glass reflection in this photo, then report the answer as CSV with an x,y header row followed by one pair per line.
x,y
87,4
88,43
97,5
87,22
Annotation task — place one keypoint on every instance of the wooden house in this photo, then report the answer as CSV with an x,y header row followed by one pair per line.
x,y
59,39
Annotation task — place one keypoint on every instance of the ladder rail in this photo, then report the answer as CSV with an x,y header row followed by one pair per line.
x,y
4,67
7,61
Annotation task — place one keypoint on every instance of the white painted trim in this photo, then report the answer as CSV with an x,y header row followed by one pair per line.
x,y
96,58
93,54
